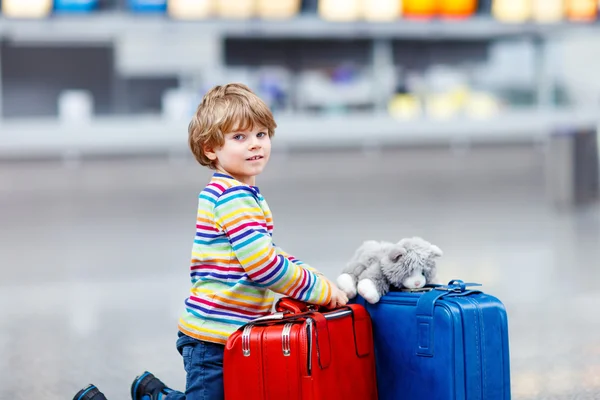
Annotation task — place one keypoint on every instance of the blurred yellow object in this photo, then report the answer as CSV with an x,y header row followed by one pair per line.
x,y
236,9
340,10
424,9
447,105
382,10
481,105
458,8
405,106
513,11
582,10
548,11
26,8
190,9
278,9
440,106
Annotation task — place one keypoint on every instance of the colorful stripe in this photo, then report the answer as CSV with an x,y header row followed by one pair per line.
x,y
235,266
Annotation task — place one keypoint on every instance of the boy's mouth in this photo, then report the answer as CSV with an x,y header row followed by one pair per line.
x,y
254,158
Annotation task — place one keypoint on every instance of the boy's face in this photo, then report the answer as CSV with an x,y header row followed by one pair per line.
x,y
244,154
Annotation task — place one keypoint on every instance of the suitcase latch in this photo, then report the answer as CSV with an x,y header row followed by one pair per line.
x,y
246,340
285,339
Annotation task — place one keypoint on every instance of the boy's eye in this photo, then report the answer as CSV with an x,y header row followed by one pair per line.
x,y
238,137
261,134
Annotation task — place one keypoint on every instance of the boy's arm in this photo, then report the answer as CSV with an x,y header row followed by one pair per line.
x,y
240,216
296,261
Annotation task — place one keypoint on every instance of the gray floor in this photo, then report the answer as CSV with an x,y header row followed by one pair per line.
x,y
93,259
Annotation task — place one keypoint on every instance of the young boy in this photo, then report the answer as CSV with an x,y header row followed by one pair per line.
x,y
235,265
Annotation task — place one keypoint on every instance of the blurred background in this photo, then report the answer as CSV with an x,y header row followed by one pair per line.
x,y
470,123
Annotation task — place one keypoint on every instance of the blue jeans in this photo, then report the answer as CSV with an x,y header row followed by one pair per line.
x,y
203,363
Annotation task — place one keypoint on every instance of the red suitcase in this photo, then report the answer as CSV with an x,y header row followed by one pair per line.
x,y
300,353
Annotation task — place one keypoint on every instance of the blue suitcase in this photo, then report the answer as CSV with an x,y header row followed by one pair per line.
x,y
441,343
83,6
148,5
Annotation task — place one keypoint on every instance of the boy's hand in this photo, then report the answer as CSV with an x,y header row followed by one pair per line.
x,y
338,298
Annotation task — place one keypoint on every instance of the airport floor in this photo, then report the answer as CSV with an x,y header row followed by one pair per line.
x,y
94,257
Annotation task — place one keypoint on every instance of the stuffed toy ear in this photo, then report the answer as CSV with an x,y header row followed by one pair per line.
x,y
396,252
436,251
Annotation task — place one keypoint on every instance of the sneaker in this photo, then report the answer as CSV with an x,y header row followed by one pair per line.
x,y
147,386
90,392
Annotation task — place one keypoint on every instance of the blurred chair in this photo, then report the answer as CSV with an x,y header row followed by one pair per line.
x,y
582,10
148,5
236,9
457,9
382,10
191,9
514,11
548,11
26,8
340,10
420,9
79,6
278,9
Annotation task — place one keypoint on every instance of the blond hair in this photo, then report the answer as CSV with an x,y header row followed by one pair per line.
x,y
224,109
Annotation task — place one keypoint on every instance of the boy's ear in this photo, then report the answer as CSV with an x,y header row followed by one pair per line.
x,y
209,152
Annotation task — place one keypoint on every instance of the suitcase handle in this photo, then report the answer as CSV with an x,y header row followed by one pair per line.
x,y
426,308
290,305
457,286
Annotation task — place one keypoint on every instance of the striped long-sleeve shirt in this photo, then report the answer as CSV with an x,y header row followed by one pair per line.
x,y
235,266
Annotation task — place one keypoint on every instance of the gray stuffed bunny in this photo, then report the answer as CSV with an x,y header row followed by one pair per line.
x,y
375,266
